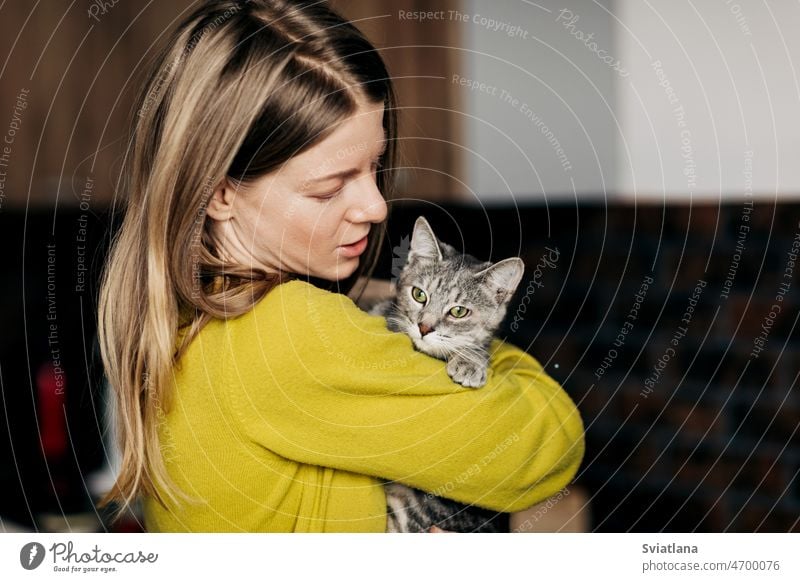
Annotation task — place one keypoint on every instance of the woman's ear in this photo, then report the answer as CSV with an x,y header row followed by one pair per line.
x,y
220,205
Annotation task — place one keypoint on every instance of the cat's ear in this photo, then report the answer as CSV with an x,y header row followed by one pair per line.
x,y
423,241
503,277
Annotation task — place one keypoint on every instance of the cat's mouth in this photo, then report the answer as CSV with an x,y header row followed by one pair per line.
x,y
428,344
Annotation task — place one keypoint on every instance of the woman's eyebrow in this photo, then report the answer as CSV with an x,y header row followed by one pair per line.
x,y
344,174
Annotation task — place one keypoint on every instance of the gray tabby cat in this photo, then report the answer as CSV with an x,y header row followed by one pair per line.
x,y
450,304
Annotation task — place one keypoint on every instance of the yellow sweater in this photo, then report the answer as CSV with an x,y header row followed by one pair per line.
x,y
288,418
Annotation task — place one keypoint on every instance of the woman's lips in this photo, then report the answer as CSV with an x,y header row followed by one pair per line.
x,y
355,249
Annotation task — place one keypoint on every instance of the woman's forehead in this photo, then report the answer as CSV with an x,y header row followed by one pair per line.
x,y
354,138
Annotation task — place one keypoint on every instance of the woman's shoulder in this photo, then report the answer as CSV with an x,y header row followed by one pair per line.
x,y
297,295
297,308
297,322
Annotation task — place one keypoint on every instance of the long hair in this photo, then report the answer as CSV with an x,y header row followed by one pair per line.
x,y
238,89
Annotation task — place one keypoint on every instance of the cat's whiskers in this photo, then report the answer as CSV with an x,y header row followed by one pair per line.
x,y
469,353
466,345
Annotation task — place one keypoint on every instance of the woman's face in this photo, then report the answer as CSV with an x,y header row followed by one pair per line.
x,y
313,215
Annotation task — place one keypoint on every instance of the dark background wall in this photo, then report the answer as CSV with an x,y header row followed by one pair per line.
x,y
50,374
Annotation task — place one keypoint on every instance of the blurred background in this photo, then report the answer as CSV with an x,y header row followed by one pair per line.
x,y
641,158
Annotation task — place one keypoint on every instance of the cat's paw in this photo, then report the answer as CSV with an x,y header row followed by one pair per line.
x,y
466,373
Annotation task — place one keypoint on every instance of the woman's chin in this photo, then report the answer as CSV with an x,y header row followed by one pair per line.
x,y
340,272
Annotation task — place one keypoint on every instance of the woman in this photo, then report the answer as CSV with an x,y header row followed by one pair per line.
x,y
250,395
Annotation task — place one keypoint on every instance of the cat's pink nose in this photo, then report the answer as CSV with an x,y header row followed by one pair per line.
x,y
425,329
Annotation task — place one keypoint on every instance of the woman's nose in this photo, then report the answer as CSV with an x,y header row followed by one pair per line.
x,y
369,204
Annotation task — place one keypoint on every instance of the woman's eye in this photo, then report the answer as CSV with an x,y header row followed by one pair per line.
x,y
327,197
459,311
376,165
419,295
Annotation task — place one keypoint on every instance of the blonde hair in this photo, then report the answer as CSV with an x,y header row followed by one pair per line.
x,y
238,89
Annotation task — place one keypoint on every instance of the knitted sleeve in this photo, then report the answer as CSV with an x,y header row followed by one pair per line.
x,y
314,379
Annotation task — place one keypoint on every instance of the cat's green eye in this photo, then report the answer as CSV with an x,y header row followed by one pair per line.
x,y
459,311
419,295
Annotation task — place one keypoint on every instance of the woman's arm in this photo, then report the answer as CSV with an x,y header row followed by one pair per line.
x,y
317,380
